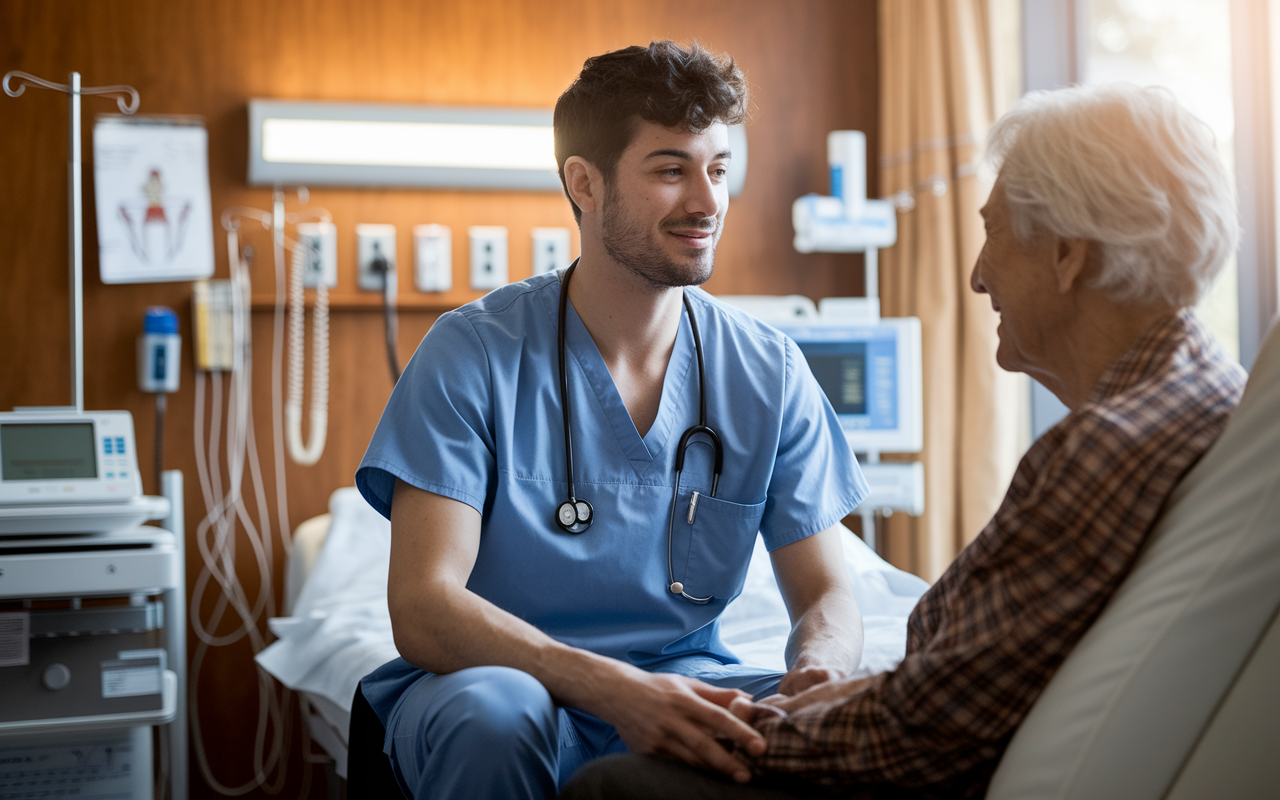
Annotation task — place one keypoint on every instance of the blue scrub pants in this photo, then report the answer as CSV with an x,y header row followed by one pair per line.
x,y
495,732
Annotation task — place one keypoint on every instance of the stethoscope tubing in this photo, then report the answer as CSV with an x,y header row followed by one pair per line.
x,y
574,515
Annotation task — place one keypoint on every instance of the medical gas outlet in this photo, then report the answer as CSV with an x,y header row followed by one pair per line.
x,y
488,256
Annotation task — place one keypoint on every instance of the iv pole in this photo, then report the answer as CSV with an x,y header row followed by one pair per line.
x,y
15,83
127,100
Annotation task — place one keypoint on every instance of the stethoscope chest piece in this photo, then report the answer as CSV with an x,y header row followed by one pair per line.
x,y
574,516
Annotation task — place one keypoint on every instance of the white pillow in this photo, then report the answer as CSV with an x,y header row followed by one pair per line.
x,y
1126,708
340,629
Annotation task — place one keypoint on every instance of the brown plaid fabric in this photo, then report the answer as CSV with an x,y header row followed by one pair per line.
x,y
983,642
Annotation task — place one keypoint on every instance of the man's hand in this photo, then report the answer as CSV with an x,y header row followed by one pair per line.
x,y
754,713
682,718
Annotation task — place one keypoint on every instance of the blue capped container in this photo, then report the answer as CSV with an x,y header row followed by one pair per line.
x,y
159,348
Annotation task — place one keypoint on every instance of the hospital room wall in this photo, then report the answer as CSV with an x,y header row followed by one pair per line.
x,y
812,67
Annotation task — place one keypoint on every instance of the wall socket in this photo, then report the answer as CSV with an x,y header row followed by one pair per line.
x,y
550,249
488,256
432,258
375,256
319,243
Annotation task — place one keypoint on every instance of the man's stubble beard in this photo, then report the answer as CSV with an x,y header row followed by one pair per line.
x,y
630,245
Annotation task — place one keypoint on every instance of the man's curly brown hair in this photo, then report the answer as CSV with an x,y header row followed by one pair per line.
x,y
688,88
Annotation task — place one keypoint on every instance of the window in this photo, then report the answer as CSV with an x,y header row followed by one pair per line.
x,y
1216,56
1184,46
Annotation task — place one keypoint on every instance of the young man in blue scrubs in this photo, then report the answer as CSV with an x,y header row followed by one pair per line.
x,y
528,649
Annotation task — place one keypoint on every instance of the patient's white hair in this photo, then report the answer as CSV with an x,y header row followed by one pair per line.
x,y
1128,169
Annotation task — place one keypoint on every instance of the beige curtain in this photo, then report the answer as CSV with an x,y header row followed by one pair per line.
x,y
936,103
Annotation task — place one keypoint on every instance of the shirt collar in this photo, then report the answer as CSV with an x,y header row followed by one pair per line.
x,y
1149,353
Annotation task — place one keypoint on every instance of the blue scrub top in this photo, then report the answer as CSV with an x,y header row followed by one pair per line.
x,y
476,417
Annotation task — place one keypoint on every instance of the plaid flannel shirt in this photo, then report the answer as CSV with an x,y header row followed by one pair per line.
x,y
986,638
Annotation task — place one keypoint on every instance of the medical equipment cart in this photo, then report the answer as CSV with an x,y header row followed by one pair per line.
x,y
92,645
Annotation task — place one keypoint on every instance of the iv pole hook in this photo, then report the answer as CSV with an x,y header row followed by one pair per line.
x,y
126,96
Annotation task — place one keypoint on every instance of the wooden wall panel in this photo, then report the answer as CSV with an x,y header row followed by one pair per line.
x,y
811,65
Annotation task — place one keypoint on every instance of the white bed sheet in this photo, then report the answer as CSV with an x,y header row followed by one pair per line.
x,y
341,630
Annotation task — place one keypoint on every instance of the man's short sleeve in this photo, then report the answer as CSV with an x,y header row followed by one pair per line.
x,y
816,481
436,431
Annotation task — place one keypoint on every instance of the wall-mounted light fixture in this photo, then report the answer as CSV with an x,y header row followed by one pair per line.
x,y
372,145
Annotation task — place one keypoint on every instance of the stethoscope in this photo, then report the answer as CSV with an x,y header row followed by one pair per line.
x,y
574,515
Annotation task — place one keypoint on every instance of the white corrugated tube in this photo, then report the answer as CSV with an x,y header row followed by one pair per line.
x,y
307,453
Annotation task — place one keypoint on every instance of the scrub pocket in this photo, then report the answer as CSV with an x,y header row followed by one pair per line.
x,y
720,543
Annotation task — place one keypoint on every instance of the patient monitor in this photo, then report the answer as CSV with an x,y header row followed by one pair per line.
x,y
871,375
68,471
871,372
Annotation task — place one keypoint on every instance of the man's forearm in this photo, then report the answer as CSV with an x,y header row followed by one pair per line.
x,y
826,628
452,628
828,635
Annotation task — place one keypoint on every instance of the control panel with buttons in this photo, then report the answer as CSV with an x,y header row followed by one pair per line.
x,y
54,456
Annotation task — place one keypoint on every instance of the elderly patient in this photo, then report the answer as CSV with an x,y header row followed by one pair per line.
x,y
1110,217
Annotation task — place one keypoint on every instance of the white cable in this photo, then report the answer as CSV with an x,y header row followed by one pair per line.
x,y
218,553
223,550
277,377
307,454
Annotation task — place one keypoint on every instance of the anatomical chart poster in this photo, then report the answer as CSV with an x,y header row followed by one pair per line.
x,y
151,183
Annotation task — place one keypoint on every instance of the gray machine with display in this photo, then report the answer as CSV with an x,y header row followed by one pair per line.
x,y
92,650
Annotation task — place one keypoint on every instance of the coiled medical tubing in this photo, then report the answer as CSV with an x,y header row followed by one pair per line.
x,y
307,454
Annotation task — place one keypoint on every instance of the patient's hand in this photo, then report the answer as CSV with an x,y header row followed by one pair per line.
x,y
798,680
827,692
780,705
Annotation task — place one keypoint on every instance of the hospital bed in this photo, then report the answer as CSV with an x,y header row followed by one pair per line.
x,y
1173,693
339,629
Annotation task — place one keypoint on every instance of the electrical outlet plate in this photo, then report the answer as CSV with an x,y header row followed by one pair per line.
x,y
432,258
550,249
374,242
319,241
488,256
